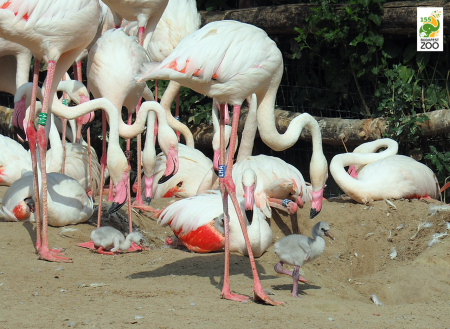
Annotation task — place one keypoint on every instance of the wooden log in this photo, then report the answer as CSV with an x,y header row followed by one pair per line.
x,y
334,130
400,18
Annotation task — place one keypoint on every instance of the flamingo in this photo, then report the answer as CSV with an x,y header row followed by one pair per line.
x,y
113,241
60,30
198,222
384,177
76,156
229,61
392,149
68,202
297,250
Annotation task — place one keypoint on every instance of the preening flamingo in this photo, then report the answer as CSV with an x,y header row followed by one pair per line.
x,y
68,202
384,177
392,149
60,30
198,222
297,250
109,241
229,60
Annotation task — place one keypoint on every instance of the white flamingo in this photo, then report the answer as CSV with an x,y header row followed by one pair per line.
x,y
68,202
384,177
229,61
59,30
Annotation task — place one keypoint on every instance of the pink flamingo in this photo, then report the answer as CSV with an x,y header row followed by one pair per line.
x,y
229,61
59,30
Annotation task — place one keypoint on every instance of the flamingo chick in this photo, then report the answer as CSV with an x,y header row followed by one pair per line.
x,y
297,249
113,241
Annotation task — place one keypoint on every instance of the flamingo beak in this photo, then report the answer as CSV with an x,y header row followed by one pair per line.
x,y
248,196
328,234
352,171
121,194
316,206
171,165
148,188
216,161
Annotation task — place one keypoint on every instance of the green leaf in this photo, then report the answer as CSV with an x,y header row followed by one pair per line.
x,y
409,53
375,18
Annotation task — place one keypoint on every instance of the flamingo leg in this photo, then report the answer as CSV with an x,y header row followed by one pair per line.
x,y
31,134
103,164
280,270
228,187
138,200
44,252
295,277
63,141
110,191
91,178
177,112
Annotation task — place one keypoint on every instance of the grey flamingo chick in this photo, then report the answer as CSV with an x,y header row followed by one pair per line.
x,y
297,250
109,241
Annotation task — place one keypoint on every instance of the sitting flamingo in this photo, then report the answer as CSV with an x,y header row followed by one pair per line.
x,y
384,177
198,222
113,241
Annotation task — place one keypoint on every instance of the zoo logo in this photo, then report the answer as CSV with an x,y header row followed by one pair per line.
x,y
431,25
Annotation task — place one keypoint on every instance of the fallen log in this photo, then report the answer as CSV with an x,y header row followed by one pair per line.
x,y
334,130
400,17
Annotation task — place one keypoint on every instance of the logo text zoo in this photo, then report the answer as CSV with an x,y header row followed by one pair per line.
x,y
430,29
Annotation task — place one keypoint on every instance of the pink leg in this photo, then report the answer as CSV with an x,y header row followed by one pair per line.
x,y
31,133
295,277
138,200
102,251
91,179
280,270
288,206
177,112
228,186
44,252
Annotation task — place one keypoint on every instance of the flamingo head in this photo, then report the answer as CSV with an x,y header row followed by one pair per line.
x,y
352,171
171,164
120,196
319,174
248,184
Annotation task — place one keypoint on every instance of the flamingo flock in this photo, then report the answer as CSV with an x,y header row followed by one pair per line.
x,y
223,203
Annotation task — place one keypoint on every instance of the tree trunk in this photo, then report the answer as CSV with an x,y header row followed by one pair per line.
x,y
400,18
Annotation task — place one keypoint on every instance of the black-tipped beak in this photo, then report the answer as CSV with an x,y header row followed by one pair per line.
x,y
313,213
148,200
85,127
115,206
164,178
249,214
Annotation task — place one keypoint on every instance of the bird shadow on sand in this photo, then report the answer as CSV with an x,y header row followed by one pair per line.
x,y
208,265
31,228
301,287
278,220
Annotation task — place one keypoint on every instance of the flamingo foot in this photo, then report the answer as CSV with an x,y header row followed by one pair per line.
x,y
173,241
53,255
260,296
101,251
135,247
226,294
89,245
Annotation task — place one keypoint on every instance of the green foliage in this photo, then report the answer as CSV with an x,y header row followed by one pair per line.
x,y
441,161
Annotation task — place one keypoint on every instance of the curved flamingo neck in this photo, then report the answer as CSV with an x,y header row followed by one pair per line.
x,y
249,133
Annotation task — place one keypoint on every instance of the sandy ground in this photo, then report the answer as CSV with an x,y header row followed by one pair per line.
x,y
168,288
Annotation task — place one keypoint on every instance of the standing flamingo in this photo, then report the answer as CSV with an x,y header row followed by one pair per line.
x,y
384,176
229,61
60,30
